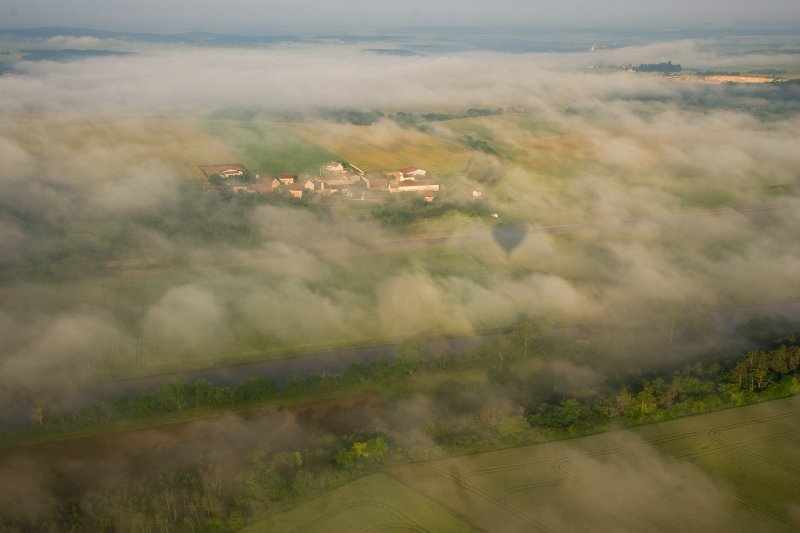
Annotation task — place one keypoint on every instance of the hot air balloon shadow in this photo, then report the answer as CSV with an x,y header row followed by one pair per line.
x,y
508,236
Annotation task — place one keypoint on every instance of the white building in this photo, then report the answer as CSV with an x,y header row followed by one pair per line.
x,y
416,186
334,166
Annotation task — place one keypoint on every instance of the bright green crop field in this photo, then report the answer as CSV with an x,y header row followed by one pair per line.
x,y
268,148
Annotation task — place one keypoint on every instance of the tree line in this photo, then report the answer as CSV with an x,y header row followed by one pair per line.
x,y
178,395
204,497
405,210
520,399
693,388
667,67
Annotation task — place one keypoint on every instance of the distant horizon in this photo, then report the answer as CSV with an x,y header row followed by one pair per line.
x,y
406,30
313,16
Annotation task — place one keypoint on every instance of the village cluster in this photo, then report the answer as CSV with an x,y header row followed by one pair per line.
x,y
334,178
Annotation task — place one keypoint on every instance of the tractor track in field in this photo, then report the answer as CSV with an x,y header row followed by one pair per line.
x,y
558,465
403,520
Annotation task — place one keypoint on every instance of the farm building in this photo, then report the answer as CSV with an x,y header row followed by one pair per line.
x,y
416,186
225,171
342,181
287,179
413,172
296,189
334,166
408,173
376,184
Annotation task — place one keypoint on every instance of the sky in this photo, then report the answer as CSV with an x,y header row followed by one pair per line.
x,y
315,15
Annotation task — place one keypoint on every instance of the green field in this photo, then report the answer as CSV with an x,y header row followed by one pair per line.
x,y
373,503
269,148
729,471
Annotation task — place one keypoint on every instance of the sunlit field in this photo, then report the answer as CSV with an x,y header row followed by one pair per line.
x,y
373,503
269,148
386,146
729,471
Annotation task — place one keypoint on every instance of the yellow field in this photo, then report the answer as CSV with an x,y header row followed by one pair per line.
x,y
385,146
523,141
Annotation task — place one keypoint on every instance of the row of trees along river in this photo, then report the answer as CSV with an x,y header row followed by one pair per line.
x,y
515,403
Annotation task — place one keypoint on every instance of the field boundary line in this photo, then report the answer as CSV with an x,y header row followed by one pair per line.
x,y
557,465
742,447
492,499
400,480
526,464
361,503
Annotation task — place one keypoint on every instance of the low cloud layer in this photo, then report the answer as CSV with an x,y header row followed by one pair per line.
x,y
179,275
299,77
